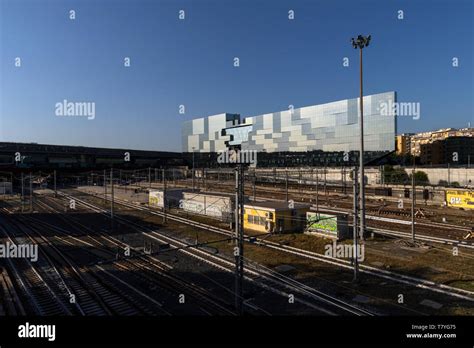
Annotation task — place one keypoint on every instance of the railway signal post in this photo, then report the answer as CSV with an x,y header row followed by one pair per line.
x,y
239,235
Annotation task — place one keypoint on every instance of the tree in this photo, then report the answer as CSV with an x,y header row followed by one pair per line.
x,y
394,175
421,178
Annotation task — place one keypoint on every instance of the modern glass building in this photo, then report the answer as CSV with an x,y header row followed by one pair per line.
x,y
207,134
330,127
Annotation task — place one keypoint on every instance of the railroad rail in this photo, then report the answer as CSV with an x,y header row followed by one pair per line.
x,y
389,275
153,272
267,279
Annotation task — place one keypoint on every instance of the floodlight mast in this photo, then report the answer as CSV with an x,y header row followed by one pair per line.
x,y
359,43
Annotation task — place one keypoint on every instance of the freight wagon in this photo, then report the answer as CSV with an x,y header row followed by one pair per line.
x,y
328,225
275,217
460,199
219,206
173,197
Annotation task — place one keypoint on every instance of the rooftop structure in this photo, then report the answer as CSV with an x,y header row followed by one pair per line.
x,y
429,137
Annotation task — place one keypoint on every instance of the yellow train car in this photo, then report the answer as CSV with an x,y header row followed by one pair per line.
x,y
275,217
460,199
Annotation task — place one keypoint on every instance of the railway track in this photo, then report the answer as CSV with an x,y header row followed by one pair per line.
x,y
11,302
117,296
151,272
389,275
40,283
93,294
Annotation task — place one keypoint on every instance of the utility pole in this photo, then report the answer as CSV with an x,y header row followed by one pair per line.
x,y
360,42
105,185
254,182
55,191
236,212
193,169
149,177
164,195
239,249
22,193
317,192
383,175
361,157
31,194
286,184
343,185
449,176
203,180
413,195
112,197
325,188
204,175
299,180
354,227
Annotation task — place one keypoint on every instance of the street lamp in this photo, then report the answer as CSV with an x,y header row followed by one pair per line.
x,y
359,43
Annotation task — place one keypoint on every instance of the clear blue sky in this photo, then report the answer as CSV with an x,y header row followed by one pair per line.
x,y
190,62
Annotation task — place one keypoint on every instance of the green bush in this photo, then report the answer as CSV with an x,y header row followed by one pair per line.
x,y
395,175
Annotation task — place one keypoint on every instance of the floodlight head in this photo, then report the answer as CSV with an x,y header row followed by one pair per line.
x,y
367,40
361,41
354,44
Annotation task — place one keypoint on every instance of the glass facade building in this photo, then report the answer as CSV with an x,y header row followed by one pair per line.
x,y
330,127
207,134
